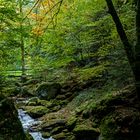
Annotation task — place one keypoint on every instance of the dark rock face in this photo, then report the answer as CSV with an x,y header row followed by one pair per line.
x,y
10,126
48,90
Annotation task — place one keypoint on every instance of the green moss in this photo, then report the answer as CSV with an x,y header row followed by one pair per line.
x,y
60,136
122,124
85,131
45,103
36,111
28,136
71,122
109,129
46,135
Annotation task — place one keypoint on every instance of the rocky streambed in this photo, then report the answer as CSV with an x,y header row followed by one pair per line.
x,y
28,122
69,116
43,122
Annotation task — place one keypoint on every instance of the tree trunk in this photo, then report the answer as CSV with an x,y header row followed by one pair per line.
x,y
133,56
121,32
136,68
22,41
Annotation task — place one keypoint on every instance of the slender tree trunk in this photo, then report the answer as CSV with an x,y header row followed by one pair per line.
x,y
21,40
133,56
22,56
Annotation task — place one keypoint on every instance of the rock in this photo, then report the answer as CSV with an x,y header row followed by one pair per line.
x,y
46,135
11,91
61,97
60,136
57,130
83,132
33,101
48,91
36,111
123,124
52,124
68,94
71,122
10,126
45,103
56,108
29,137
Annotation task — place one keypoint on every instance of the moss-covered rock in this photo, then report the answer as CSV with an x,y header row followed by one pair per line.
x,y
123,124
52,127
57,129
48,90
60,136
84,132
71,122
36,111
61,97
46,134
45,103
10,126
33,101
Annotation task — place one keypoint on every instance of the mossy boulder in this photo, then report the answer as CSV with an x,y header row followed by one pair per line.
x,y
71,122
60,136
61,97
45,103
50,125
57,129
10,126
123,124
36,111
46,134
33,101
84,132
48,91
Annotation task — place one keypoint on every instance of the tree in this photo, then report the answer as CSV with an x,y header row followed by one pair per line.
x,y
21,38
133,56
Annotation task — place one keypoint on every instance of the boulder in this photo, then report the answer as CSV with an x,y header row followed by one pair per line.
x,y
84,132
10,126
36,111
71,122
48,126
122,124
48,91
57,130
60,136
46,135
33,101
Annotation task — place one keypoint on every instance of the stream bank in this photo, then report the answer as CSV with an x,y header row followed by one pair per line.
x,y
77,114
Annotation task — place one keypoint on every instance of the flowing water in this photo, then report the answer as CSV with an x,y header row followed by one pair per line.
x,y
28,122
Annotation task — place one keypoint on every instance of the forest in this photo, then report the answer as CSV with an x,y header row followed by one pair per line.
x,y
69,70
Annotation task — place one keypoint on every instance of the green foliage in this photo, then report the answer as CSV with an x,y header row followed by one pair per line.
x,y
81,42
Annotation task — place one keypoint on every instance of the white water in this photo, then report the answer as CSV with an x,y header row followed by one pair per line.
x,y
28,122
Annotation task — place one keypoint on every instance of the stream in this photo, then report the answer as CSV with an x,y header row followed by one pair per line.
x,y
28,122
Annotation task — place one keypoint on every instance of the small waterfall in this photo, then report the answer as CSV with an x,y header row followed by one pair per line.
x,y
28,122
